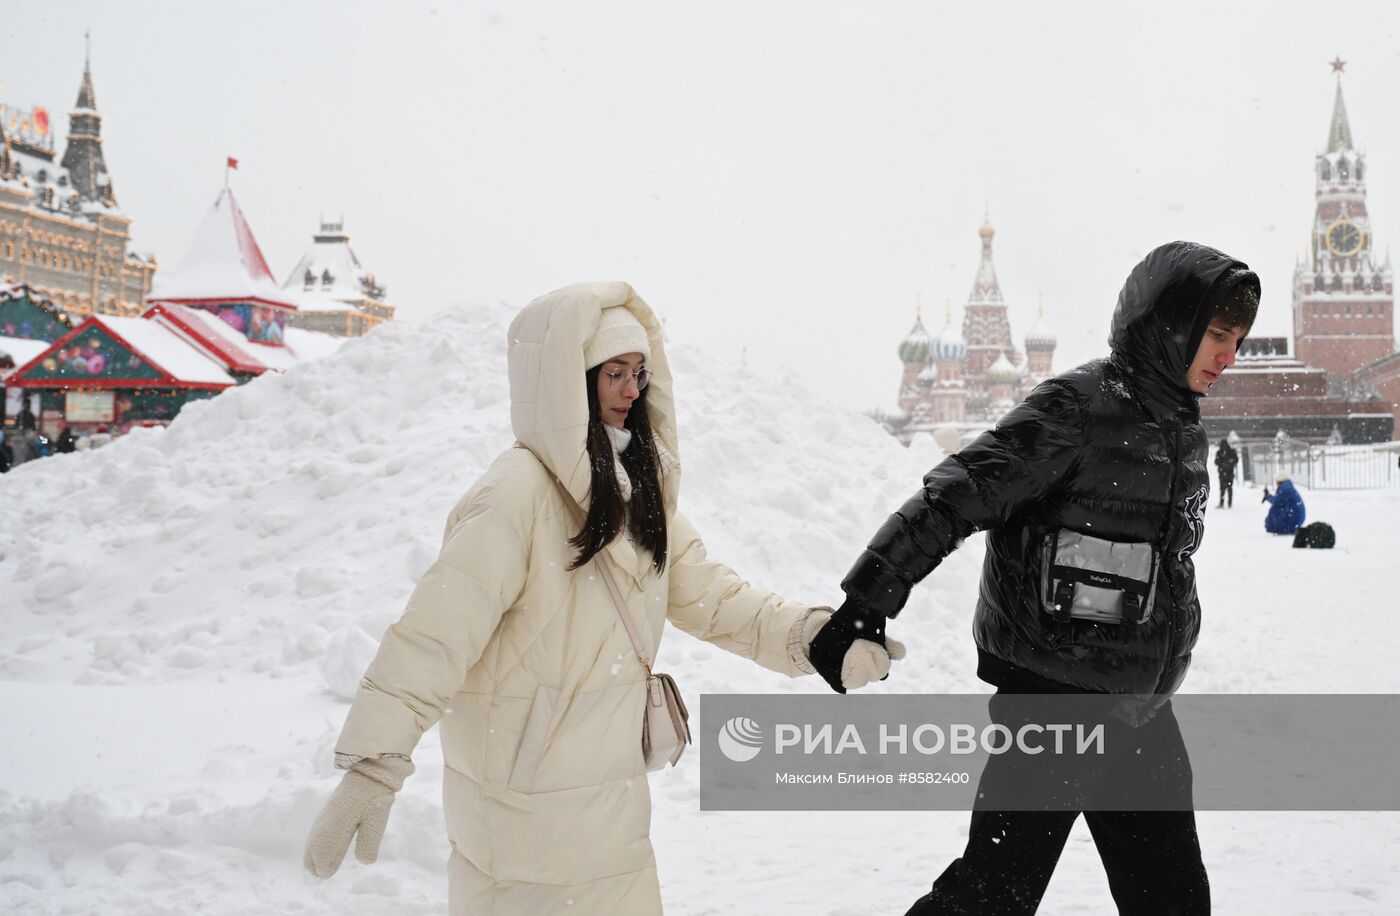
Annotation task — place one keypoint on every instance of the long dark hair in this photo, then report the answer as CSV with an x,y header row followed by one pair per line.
x,y
606,511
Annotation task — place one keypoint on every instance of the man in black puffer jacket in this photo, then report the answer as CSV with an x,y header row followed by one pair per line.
x,y
1109,457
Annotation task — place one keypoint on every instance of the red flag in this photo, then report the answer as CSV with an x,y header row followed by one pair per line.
x,y
232,162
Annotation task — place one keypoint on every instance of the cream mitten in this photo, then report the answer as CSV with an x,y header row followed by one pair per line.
x,y
359,807
864,662
867,662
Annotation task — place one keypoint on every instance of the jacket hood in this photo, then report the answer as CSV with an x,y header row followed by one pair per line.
x,y
548,398
1162,314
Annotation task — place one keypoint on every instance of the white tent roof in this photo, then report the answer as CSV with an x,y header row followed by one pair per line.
x,y
223,262
167,350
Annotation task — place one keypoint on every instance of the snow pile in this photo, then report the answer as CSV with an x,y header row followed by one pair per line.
x,y
309,345
181,608
280,526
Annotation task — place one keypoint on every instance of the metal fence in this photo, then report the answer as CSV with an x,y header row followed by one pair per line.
x,y
1321,467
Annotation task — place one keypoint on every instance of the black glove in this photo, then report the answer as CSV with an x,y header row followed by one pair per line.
x,y
1266,495
851,621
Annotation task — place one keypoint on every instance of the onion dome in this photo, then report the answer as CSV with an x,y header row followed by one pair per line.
x,y
1040,337
914,347
949,345
1002,372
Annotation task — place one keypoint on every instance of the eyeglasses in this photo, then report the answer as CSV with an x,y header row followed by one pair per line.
x,y
619,378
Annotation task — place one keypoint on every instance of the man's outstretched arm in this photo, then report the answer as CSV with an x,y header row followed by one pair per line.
x,y
1001,472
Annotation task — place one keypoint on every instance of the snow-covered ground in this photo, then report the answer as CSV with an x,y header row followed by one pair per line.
x,y
183,613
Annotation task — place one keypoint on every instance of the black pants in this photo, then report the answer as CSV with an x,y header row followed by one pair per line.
x,y
1227,491
1153,858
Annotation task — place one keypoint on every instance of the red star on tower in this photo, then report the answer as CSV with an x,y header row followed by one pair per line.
x,y
1338,64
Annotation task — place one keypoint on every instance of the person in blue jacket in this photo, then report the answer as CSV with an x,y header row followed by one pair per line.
x,y
1288,512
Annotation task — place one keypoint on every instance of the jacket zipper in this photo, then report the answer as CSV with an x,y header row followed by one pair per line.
x,y
1172,529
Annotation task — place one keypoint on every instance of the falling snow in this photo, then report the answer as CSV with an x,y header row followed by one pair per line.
x,y
134,782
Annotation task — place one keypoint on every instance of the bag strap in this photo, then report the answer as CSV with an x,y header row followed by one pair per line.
x,y
601,563
1125,584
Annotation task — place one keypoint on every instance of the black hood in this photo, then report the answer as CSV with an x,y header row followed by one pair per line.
x,y
1162,314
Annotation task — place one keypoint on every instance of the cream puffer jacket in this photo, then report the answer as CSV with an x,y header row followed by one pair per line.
x,y
526,663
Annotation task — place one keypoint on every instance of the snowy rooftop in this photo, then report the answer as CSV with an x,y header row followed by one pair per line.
x,y
38,174
1002,368
1040,333
330,276
297,347
223,262
40,166
317,302
280,358
1292,367
167,350
228,343
21,350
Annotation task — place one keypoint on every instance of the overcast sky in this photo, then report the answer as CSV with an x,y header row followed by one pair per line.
x,y
780,177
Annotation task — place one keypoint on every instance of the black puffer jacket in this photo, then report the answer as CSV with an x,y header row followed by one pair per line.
x,y
1113,449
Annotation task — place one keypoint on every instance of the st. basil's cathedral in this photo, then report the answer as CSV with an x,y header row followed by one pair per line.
x,y
963,380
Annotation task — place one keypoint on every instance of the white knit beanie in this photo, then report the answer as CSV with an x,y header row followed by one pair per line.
x,y
1280,477
618,332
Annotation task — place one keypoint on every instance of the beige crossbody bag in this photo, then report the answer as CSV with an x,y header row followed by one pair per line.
x,y
665,721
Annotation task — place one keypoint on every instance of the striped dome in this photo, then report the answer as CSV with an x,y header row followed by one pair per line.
x,y
914,347
1040,337
949,345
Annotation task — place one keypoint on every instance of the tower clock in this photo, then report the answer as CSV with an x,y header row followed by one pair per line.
x,y
1344,238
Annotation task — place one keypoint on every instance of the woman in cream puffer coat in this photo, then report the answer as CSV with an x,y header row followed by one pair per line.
x,y
519,650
